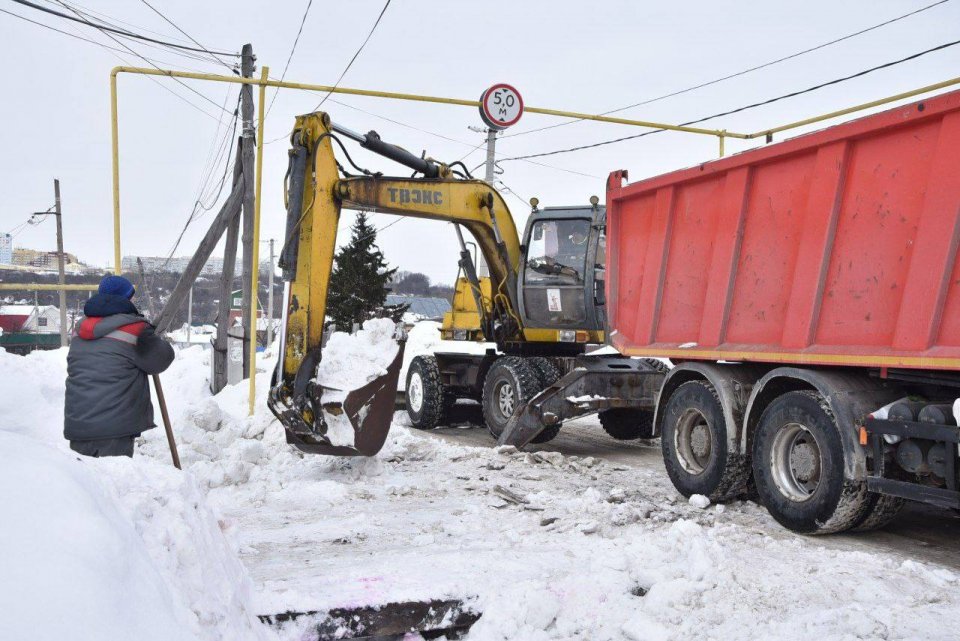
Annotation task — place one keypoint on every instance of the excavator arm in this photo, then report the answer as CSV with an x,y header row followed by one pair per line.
x,y
316,190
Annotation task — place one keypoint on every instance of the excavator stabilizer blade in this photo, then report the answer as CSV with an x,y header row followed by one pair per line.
x,y
361,416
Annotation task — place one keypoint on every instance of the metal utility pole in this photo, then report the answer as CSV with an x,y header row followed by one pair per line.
x,y
247,157
64,336
270,298
482,269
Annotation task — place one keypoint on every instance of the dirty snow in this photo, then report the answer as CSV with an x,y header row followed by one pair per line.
x,y
546,546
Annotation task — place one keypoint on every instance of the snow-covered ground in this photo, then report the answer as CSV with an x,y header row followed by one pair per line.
x,y
546,546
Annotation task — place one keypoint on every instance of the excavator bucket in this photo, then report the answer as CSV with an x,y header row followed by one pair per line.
x,y
336,422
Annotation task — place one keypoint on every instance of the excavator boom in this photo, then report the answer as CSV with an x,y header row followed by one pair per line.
x,y
316,191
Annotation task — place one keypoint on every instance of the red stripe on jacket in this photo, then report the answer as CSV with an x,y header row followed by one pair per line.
x,y
88,324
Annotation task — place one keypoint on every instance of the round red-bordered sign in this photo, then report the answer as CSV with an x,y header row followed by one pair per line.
x,y
501,106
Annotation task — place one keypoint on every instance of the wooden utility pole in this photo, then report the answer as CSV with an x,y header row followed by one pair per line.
x,y
270,298
226,292
64,330
247,157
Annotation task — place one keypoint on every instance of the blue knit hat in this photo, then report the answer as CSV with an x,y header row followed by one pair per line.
x,y
117,285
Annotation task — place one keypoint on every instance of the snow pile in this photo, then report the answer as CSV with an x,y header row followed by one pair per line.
x,y
353,360
106,548
32,399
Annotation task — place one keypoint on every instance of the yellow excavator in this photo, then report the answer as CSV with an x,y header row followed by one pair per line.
x,y
541,305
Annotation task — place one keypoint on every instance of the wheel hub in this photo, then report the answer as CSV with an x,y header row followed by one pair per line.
x,y
506,400
415,392
692,441
796,462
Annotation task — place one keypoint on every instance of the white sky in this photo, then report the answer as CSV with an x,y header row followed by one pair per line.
x,y
587,57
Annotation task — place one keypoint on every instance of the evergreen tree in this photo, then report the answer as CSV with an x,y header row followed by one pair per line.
x,y
358,284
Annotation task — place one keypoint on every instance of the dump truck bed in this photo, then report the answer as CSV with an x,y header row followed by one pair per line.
x,y
834,248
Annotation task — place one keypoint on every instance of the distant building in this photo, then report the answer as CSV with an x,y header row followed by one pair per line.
x,y
42,319
6,249
177,264
39,258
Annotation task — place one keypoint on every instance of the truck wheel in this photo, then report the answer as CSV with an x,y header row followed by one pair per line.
x,y
509,384
694,444
546,370
627,424
427,401
881,510
798,467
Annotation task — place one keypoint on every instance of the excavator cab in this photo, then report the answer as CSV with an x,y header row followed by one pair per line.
x,y
561,280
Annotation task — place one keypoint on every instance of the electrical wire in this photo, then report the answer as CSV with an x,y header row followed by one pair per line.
x,y
198,205
106,31
122,32
355,55
290,57
79,37
194,40
739,73
121,58
115,23
762,103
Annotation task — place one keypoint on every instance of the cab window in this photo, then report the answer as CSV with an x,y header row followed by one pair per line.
x,y
557,252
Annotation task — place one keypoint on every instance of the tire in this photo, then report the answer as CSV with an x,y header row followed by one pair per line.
x,y
627,424
546,370
694,445
427,401
657,364
881,510
798,462
548,373
509,384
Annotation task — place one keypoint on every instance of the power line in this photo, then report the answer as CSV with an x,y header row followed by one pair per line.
x,y
290,57
198,204
194,40
762,103
113,22
355,55
122,59
739,73
121,32
105,32
78,37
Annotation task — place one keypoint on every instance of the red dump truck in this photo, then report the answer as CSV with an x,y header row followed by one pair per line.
x,y
800,289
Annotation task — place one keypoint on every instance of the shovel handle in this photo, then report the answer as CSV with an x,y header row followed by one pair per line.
x,y
166,421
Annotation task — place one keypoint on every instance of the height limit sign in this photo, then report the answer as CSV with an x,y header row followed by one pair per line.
x,y
501,106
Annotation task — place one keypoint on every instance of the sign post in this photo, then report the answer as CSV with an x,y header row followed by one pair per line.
x,y
500,107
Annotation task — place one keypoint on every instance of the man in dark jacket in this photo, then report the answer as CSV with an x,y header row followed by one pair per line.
x,y
113,351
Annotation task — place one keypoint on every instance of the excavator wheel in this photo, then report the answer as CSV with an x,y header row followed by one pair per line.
x,y
509,383
627,424
427,401
546,370
548,373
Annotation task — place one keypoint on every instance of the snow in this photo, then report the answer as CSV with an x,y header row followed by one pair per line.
x,y
546,546
699,500
353,360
